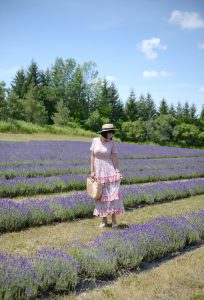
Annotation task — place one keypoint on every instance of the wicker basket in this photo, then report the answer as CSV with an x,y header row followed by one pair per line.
x,y
94,188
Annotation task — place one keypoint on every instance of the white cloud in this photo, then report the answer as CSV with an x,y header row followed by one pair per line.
x,y
148,47
156,74
186,20
111,78
201,89
201,45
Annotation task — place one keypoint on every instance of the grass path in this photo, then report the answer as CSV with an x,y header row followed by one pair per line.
x,y
178,279
28,241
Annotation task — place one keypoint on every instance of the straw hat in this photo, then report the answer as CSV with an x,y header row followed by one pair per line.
x,y
107,127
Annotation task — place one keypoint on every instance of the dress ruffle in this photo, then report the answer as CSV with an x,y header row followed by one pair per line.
x,y
108,212
112,178
111,197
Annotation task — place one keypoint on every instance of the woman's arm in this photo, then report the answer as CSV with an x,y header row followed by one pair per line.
x,y
114,158
92,164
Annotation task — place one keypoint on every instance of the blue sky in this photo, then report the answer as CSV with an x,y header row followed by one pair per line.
x,y
154,46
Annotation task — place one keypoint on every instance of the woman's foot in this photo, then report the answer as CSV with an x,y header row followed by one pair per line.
x,y
104,223
114,225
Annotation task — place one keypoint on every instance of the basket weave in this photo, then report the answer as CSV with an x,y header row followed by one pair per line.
x,y
94,188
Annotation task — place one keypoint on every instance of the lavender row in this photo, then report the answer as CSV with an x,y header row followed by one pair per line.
x,y
60,270
72,150
31,170
31,212
21,185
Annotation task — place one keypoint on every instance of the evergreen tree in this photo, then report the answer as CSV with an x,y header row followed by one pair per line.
x,y
179,112
3,103
104,106
186,113
117,110
62,116
34,109
33,75
151,111
18,85
131,107
172,110
142,108
201,119
163,108
15,107
192,114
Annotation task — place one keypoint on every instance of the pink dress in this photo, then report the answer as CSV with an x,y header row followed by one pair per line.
x,y
110,202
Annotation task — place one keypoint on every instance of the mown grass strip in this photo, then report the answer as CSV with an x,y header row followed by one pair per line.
x,y
31,212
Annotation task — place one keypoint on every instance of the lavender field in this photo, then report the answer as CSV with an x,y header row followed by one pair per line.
x,y
30,174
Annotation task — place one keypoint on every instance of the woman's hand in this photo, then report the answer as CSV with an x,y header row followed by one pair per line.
x,y
93,174
118,172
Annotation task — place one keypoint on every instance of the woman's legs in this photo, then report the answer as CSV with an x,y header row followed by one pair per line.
x,y
114,222
104,220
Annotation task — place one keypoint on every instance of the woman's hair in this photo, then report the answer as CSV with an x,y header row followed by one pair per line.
x,y
105,133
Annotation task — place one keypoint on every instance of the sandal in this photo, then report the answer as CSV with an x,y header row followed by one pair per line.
x,y
102,225
114,225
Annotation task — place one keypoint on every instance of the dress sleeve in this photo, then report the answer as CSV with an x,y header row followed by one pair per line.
x,y
114,148
92,145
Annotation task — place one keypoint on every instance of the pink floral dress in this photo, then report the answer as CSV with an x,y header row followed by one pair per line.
x,y
110,202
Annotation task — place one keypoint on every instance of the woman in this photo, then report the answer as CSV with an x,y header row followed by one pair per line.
x,y
104,167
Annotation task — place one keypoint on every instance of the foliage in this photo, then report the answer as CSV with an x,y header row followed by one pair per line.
x,y
69,92
187,134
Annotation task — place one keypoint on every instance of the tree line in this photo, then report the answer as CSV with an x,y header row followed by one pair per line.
x,y
70,94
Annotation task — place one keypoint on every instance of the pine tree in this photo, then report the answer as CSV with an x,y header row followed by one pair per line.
x,y
131,107
62,116
172,110
201,119
186,113
104,106
33,75
179,112
18,85
117,109
192,114
34,109
142,108
163,108
15,106
3,104
151,111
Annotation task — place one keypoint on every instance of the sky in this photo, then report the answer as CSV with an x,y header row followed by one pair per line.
x,y
154,46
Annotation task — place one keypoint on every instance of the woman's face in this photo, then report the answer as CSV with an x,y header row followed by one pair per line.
x,y
109,136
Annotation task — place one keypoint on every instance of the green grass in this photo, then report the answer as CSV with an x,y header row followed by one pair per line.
x,y
28,241
17,126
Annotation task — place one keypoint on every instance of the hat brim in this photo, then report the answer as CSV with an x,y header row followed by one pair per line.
x,y
105,130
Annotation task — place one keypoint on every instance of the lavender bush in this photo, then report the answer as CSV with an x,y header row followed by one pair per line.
x,y
35,151
26,277
31,212
55,270
20,185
